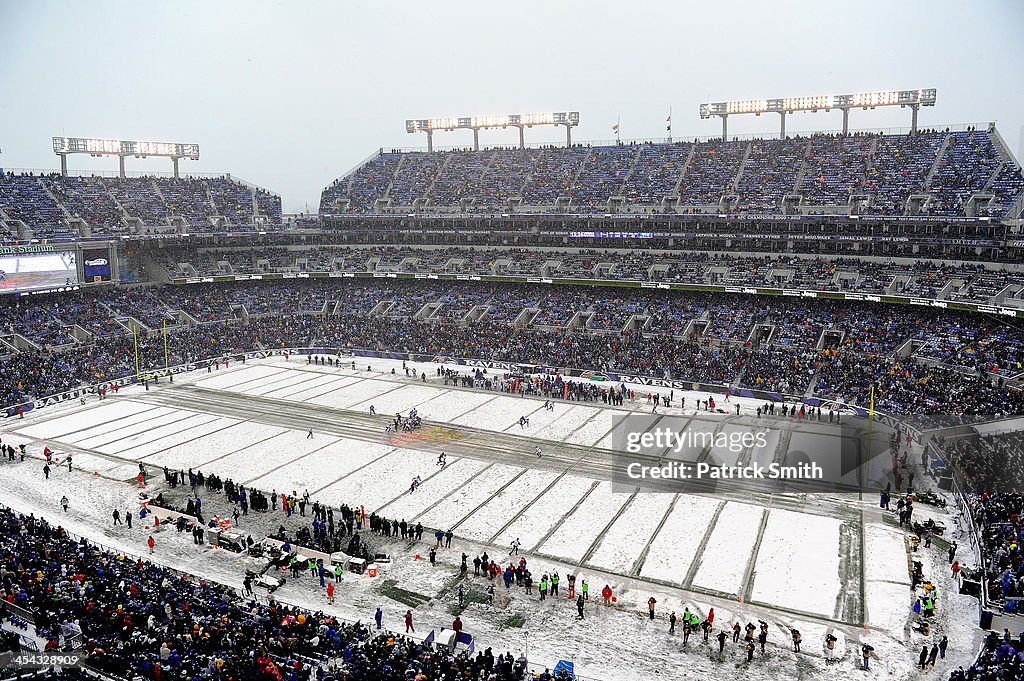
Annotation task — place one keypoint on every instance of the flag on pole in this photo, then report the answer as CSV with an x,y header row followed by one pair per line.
x,y
615,128
669,120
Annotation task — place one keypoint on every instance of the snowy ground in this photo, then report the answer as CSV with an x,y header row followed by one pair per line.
x,y
745,558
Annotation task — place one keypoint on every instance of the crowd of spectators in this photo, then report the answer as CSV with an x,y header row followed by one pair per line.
x,y
899,169
656,173
998,515
924,278
418,173
604,171
835,169
712,172
462,178
231,200
142,620
1006,188
1001,659
831,349
553,174
965,168
45,203
755,175
89,199
25,198
779,369
770,173
138,197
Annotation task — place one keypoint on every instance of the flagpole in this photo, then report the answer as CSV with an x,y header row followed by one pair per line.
x,y
670,125
618,122
871,424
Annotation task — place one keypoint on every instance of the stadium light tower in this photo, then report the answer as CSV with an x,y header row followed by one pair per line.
x,y
477,123
62,146
914,99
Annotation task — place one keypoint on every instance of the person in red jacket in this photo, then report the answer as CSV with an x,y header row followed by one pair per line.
x,y
606,594
408,622
457,626
151,543
330,592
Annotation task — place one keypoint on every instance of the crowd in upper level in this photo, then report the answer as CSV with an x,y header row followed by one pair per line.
x,y
939,173
56,207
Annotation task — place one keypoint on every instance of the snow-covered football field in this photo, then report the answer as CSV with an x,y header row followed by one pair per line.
x,y
250,423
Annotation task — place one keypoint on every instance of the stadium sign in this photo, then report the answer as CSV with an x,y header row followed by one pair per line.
x,y
28,248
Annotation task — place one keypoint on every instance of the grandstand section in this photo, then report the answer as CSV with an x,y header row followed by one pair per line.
x,y
949,172
51,206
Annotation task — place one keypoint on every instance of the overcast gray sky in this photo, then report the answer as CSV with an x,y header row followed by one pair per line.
x,y
291,94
